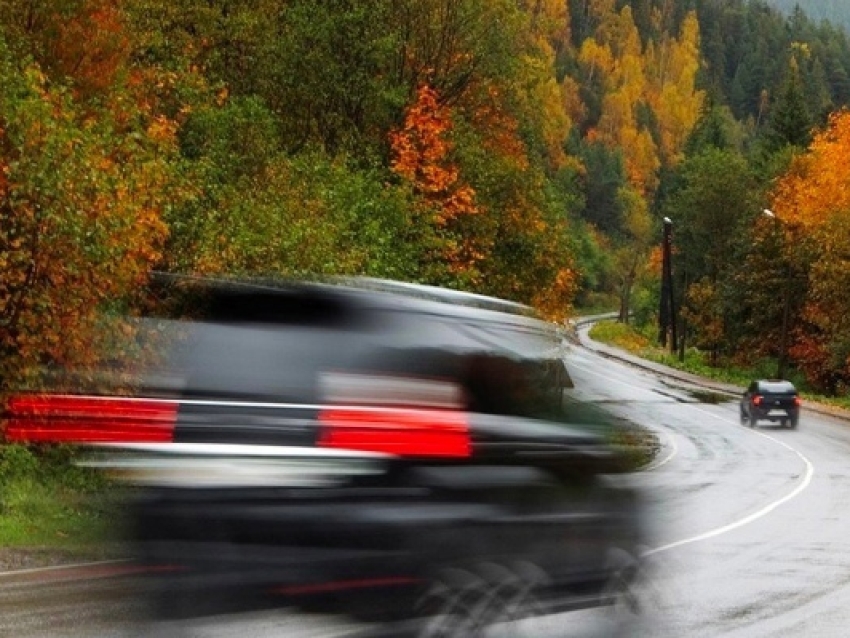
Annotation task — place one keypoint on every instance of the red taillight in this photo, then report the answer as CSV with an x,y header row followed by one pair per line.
x,y
757,400
403,432
88,419
798,402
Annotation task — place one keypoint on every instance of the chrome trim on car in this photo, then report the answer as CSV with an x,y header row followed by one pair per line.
x,y
213,465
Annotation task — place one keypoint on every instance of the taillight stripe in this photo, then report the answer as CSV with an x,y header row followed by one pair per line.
x,y
402,432
86,419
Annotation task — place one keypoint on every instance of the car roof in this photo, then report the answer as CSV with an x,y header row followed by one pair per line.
x,y
237,327
444,295
347,301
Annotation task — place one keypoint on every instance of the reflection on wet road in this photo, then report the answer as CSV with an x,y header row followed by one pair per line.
x,y
761,511
750,529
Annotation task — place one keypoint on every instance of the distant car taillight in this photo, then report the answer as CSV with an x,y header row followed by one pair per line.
x,y
798,402
400,431
90,419
757,400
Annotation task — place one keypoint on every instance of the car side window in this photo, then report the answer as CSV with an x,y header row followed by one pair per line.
x,y
753,388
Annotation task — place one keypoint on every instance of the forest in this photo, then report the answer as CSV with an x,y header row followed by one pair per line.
x,y
526,149
835,11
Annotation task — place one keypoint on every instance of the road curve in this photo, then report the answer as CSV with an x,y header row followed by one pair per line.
x,y
749,530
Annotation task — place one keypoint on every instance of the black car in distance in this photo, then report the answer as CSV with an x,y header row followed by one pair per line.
x,y
396,453
771,400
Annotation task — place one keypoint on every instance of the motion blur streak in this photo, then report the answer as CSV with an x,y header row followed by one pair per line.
x,y
82,419
427,433
398,455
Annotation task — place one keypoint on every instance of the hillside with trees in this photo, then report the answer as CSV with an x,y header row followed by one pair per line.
x,y
526,150
835,11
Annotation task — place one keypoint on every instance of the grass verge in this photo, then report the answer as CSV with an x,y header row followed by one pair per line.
x,y
641,344
49,503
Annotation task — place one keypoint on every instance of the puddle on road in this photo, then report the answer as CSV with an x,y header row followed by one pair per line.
x,y
691,394
707,396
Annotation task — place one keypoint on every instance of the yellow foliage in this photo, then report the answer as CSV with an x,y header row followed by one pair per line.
x,y
661,76
672,94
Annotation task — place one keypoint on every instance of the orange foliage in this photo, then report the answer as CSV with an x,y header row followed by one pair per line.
x,y
421,155
550,299
813,357
421,151
632,75
80,221
502,129
812,201
817,185
573,104
92,46
655,261
672,93
703,313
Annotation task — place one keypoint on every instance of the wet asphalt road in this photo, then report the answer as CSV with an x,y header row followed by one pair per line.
x,y
750,532
751,528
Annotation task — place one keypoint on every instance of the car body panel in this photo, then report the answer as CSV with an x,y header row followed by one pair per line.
x,y
334,447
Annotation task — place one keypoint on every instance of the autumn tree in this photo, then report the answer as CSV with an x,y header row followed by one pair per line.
x,y
649,100
84,43
703,312
81,202
422,157
626,89
672,92
631,248
811,202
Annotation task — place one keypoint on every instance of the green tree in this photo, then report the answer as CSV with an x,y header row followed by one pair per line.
x,y
790,123
712,206
604,177
717,128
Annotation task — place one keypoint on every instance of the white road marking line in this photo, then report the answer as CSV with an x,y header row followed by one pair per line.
x,y
807,479
655,465
767,509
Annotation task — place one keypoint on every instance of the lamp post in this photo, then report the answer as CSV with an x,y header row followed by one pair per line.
x,y
782,364
667,311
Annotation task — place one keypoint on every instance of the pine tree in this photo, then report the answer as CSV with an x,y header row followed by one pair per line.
x,y
790,123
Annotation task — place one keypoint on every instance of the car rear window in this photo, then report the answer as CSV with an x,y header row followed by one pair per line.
x,y
777,387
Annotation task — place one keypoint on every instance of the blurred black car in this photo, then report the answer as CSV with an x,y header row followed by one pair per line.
x,y
771,400
387,451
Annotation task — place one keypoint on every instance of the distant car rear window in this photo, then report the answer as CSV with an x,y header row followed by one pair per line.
x,y
777,387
